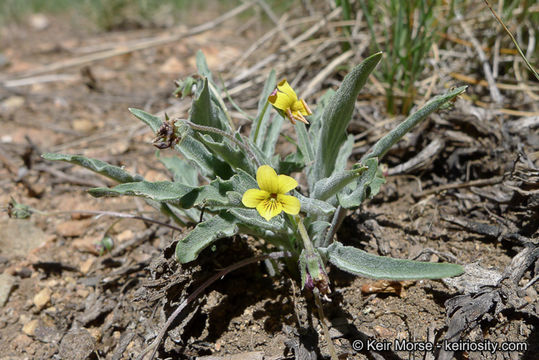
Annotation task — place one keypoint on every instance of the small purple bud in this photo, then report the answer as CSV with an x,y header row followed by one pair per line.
x,y
309,283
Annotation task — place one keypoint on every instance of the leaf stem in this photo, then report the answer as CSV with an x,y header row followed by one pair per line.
x,y
305,236
338,217
259,121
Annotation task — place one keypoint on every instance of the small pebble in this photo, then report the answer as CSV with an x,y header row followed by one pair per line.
x,y
42,298
30,327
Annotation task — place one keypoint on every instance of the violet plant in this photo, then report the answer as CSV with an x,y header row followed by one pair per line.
x,y
240,184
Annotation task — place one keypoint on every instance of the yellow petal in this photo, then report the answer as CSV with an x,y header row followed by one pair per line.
x,y
252,197
290,204
281,100
299,107
267,179
286,183
269,208
284,87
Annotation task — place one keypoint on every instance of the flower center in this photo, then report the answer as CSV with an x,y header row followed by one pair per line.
x,y
273,196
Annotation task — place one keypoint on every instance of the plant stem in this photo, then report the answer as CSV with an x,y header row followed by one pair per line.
x,y
259,121
318,302
305,236
338,217
225,134
221,104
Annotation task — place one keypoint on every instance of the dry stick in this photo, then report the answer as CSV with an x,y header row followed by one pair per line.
x,y
200,289
144,44
265,39
275,20
68,178
496,49
426,155
494,92
307,34
107,213
512,39
40,80
322,75
478,182
271,59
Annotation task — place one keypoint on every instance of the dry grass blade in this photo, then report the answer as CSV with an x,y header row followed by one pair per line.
x,y
513,40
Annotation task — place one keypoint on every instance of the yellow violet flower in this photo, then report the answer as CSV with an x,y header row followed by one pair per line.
x,y
284,98
270,200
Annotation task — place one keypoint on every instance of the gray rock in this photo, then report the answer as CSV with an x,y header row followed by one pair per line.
x,y
6,284
77,344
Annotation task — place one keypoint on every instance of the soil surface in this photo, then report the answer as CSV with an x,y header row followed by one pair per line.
x,y
472,201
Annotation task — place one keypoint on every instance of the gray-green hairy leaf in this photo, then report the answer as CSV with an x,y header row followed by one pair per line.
x,y
261,123
384,144
274,128
98,166
359,262
359,193
204,112
314,207
151,120
327,187
337,115
180,169
205,234
175,193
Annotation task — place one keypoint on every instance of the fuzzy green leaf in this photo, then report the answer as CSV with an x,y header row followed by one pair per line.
x,y
344,154
205,112
151,120
317,231
251,218
384,144
314,207
180,169
205,234
304,143
338,114
360,191
235,157
359,262
272,135
261,123
178,194
202,66
191,148
327,187
98,166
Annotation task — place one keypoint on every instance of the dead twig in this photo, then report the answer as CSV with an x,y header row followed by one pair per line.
x,y
155,344
478,182
141,45
494,92
512,39
425,156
